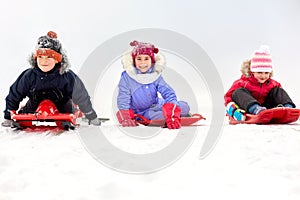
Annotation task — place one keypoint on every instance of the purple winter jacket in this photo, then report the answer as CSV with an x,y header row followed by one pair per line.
x,y
140,92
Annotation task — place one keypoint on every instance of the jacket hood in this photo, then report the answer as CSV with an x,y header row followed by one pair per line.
x,y
147,78
65,64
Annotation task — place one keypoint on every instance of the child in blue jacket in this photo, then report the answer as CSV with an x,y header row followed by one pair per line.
x,y
49,78
140,84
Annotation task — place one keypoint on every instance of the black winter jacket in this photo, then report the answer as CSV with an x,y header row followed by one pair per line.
x,y
35,84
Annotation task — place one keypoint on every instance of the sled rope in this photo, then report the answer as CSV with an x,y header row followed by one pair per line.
x,y
143,120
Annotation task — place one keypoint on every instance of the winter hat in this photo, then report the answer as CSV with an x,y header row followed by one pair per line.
x,y
143,48
48,45
261,60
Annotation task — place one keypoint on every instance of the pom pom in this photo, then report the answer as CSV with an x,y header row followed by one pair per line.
x,y
264,49
155,50
134,43
52,34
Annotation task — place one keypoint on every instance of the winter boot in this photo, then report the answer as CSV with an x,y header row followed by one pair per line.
x,y
255,109
233,110
287,105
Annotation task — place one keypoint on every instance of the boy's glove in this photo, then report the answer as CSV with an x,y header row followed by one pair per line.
x,y
126,118
171,113
7,123
95,122
234,111
92,117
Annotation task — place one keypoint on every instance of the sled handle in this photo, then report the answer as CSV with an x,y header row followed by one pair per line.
x,y
198,116
144,120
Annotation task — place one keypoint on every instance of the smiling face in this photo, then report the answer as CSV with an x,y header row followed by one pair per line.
x,y
143,63
46,63
261,77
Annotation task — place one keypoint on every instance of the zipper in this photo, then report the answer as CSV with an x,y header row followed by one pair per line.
x,y
259,94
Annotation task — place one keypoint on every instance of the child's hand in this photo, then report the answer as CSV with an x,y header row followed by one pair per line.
x,y
172,114
95,122
7,123
126,118
128,122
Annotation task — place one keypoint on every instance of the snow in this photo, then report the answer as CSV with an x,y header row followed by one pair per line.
x,y
247,162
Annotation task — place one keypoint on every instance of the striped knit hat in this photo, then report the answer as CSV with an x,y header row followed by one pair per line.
x,y
261,60
48,45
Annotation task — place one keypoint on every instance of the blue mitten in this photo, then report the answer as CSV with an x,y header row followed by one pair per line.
x,y
234,111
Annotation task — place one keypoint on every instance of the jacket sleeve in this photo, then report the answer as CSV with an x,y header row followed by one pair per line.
x,y
228,96
81,97
18,91
124,94
167,93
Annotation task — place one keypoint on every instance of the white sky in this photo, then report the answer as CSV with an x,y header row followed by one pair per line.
x,y
229,31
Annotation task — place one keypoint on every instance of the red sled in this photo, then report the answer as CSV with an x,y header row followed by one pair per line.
x,y
46,115
184,121
278,115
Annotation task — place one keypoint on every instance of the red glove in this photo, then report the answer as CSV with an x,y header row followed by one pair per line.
x,y
126,118
172,114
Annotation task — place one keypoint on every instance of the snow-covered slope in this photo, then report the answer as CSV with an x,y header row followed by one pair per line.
x,y
248,162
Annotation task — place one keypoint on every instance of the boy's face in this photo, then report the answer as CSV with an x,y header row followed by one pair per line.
x,y
45,63
261,77
143,63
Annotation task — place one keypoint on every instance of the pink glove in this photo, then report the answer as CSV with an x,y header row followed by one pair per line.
x,y
171,113
126,118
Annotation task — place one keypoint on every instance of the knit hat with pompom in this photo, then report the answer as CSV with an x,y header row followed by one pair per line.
x,y
49,45
261,60
141,48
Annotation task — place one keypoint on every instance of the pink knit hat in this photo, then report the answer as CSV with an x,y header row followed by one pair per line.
x,y
261,60
144,49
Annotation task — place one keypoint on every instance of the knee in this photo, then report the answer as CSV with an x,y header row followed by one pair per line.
x,y
66,107
151,114
185,108
239,91
277,91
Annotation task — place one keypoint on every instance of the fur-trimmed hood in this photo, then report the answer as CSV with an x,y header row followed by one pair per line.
x,y
65,64
147,78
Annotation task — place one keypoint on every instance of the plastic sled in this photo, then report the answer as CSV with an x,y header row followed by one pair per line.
x,y
46,115
278,115
185,121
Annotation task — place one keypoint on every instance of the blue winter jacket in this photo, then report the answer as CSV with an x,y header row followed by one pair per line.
x,y
139,92
140,97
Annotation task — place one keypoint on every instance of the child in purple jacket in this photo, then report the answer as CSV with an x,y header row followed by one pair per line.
x,y
140,84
